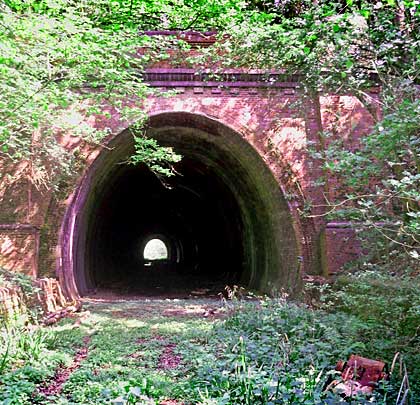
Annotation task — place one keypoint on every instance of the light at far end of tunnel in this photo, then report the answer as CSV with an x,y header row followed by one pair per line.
x,y
155,249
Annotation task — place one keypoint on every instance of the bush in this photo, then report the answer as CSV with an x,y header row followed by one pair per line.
x,y
387,305
280,352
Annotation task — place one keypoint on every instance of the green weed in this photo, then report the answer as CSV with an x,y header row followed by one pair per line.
x,y
263,351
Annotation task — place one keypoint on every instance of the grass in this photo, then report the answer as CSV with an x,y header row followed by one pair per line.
x,y
212,352
127,343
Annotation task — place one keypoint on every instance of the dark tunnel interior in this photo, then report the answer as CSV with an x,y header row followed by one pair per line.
x,y
222,218
194,214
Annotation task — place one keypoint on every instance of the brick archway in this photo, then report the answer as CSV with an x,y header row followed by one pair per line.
x,y
227,211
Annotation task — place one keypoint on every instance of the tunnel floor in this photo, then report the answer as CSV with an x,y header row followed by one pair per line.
x,y
169,287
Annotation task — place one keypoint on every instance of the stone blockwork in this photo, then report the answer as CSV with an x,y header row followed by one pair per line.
x,y
272,118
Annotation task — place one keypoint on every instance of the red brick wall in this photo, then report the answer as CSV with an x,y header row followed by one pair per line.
x,y
341,246
268,118
19,246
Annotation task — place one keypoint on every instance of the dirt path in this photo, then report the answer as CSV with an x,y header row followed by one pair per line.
x,y
55,386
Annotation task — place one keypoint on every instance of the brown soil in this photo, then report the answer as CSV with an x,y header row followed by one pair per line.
x,y
55,385
168,359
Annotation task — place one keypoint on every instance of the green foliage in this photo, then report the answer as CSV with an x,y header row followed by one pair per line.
x,y
64,61
25,358
387,305
16,388
159,159
348,48
383,177
264,351
278,352
58,67
147,15
25,361
28,308
318,42
20,281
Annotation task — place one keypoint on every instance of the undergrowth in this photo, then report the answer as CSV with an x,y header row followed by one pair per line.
x,y
386,303
27,356
261,351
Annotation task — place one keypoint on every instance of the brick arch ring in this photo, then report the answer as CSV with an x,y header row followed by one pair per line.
x,y
226,210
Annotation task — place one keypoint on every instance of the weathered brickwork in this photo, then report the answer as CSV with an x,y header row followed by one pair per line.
x,y
341,246
14,193
19,246
267,118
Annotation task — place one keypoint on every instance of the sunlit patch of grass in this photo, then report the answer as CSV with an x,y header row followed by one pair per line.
x,y
176,327
127,340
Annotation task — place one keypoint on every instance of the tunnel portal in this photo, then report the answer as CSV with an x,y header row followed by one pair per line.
x,y
222,218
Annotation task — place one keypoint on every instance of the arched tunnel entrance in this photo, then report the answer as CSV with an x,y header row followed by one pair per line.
x,y
222,219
